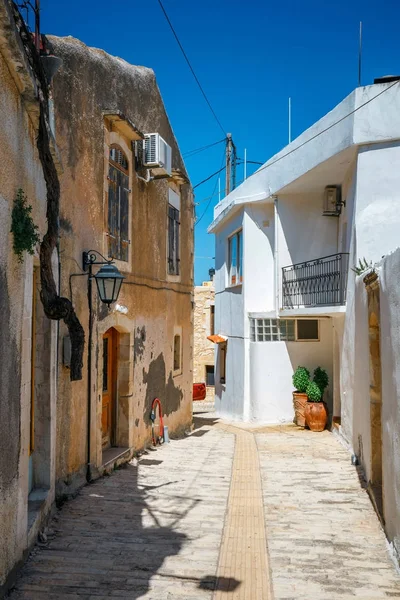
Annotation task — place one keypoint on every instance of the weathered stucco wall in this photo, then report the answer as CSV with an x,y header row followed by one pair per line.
x,y
19,168
90,83
203,349
390,360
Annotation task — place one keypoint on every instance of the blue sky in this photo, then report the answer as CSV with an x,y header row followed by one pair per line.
x,y
250,57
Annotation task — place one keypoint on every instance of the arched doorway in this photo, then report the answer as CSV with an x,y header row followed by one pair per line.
x,y
108,412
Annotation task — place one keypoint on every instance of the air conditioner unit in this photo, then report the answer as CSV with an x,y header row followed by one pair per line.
x,y
157,155
332,201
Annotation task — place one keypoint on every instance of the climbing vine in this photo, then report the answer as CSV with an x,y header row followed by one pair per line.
x,y
23,228
55,306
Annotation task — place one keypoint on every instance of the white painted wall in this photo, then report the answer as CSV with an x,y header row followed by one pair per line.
x,y
259,258
229,321
304,233
377,218
272,365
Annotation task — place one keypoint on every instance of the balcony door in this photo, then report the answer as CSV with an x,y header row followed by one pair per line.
x,y
108,413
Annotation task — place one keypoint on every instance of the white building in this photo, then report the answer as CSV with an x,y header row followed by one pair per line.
x,y
285,291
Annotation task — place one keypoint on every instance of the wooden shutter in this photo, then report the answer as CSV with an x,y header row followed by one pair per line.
x,y
113,210
171,234
177,258
124,217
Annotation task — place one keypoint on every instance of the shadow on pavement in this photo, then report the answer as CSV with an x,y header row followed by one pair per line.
x,y
219,584
110,540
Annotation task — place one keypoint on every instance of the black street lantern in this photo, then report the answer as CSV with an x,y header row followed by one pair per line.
x,y
109,281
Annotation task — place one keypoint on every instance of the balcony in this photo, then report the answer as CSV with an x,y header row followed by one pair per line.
x,y
318,282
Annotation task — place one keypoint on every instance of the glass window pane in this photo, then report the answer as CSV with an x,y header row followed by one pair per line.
x,y
307,329
232,260
239,255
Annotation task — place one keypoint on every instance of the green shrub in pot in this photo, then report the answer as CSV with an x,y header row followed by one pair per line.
x,y
301,379
321,379
313,392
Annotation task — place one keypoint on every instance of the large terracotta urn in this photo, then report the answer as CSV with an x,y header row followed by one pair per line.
x,y
300,402
316,415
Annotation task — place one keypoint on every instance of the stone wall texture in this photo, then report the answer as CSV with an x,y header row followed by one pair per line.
x,y
19,168
203,349
89,86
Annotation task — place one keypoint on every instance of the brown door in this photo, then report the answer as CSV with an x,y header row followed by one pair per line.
x,y
109,385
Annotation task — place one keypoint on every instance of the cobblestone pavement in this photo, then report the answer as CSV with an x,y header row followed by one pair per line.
x,y
235,513
324,538
150,531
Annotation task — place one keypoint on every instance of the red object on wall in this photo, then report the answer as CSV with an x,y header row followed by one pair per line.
x,y
199,391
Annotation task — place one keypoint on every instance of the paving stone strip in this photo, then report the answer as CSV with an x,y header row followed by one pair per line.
x,y
243,566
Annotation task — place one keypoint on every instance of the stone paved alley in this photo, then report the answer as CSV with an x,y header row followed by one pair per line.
x,y
226,513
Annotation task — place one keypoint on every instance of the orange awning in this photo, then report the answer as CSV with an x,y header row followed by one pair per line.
x,y
217,339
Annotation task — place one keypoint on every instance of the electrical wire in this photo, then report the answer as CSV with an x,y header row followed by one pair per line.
x,y
190,67
193,152
210,176
213,194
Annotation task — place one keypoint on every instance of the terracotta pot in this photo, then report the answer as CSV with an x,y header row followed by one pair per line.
x,y
300,402
316,415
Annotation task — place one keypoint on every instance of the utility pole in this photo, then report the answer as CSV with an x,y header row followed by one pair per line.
x,y
230,158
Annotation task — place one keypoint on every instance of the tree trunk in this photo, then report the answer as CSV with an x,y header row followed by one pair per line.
x,y
56,307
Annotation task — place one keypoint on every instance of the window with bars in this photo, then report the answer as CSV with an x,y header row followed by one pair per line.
x,y
212,319
235,264
118,205
210,377
177,352
173,241
284,330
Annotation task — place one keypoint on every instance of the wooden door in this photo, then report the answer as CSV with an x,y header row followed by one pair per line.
x,y
109,387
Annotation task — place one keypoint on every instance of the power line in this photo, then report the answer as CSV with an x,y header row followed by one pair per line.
x,y
215,187
209,177
190,67
193,152
207,198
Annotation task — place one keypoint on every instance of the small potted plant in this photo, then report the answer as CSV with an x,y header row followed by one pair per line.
x,y
316,413
301,379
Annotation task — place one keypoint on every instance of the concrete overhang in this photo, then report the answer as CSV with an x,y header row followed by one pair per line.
x,y
123,125
312,312
322,154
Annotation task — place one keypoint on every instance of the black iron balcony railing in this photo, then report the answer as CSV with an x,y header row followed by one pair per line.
x,y
319,282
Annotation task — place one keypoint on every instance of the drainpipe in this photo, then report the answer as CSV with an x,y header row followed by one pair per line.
x,y
89,376
276,257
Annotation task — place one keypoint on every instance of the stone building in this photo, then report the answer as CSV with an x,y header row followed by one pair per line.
x,y
143,218
28,339
203,349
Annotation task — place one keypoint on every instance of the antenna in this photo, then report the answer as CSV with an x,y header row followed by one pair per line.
x,y
245,164
359,55
219,189
290,119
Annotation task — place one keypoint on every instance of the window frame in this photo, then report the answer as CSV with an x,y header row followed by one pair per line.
x,y
213,374
236,237
113,138
277,330
223,348
177,334
317,339
212,319
118,178
174,218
